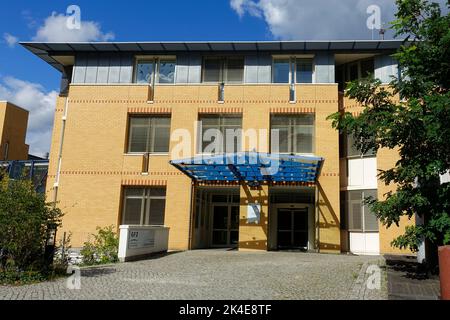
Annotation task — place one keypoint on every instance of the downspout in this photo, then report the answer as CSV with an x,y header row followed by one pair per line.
x,y
191,214
61,142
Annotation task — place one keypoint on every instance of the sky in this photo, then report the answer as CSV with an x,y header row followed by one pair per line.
x,y
32,84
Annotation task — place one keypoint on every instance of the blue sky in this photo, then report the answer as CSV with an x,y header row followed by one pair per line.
x,y
32,84
144,20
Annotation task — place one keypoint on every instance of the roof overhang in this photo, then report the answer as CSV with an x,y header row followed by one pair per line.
x,y
48,50
252,168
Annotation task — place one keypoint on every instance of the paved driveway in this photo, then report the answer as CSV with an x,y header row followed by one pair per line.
x,y
218,274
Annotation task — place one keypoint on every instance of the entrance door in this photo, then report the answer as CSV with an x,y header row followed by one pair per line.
x,y
225,228
292,228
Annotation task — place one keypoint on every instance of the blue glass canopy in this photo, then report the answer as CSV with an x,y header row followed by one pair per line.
x,y
251,167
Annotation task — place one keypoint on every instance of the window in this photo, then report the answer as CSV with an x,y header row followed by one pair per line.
x,y
160,70
360,218
292,70
296,133
223,69
281,71
144,206
220,133
304,71
149,134
352,151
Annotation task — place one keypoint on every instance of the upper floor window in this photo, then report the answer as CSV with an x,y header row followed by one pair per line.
x,y
292,70
355,70
149,134
144,206
155,70
223,69
220,133
296,133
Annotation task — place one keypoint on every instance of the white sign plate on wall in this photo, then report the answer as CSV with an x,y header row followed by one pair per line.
x,y
141,239
253,213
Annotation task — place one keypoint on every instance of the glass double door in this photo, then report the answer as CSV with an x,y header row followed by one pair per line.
x,y
225,225
292,229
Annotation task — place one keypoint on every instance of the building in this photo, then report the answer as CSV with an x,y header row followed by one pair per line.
x,y
135,122
13,131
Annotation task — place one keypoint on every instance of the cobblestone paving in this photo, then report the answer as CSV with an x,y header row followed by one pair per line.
x,y
217,274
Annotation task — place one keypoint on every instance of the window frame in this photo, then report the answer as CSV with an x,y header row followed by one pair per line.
x,y
293,68
223,70
349,213
156,60
146,199
151,129
292,143
199,141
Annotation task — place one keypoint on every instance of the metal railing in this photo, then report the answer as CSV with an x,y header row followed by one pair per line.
x,y
34,170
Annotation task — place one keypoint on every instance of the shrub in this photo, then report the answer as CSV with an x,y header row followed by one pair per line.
x,y
25,222
103,249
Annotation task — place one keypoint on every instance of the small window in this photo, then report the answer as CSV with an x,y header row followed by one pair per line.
x,y
166,71
296,133
281,71
160,70
223,69
144,206
144,71
220,133
360,217
149,134
304,71
352,151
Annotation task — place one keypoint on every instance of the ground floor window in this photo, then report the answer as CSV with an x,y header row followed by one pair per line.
x,y
359,216
144,206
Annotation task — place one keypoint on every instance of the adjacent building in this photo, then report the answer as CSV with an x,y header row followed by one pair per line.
x,y
13,130
141,137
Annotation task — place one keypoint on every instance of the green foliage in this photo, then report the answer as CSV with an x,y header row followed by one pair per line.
x,y
25,221
103,249
418,125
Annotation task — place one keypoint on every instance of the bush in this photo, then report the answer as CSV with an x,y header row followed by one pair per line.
x,y
104,249
25,224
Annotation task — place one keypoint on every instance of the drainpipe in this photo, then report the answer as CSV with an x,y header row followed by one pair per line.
x,y
191,214
317,201
61,142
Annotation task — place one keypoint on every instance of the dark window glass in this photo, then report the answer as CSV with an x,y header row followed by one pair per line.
x,y
144,206
304,70
223,133
149,134
296,133
281,70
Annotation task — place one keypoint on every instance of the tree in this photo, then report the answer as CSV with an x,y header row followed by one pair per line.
x,y
25,221
417,124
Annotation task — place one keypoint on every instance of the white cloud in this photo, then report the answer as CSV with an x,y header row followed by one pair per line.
x,y
315,20
10,40
41,105
55,29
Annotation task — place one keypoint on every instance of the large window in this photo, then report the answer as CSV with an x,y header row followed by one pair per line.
x,y
149,134
220,133
292,70
155,70
359,216
296,133
144,206
223,69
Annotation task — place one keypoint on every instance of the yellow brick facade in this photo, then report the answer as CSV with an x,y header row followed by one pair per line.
x,y
95,167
